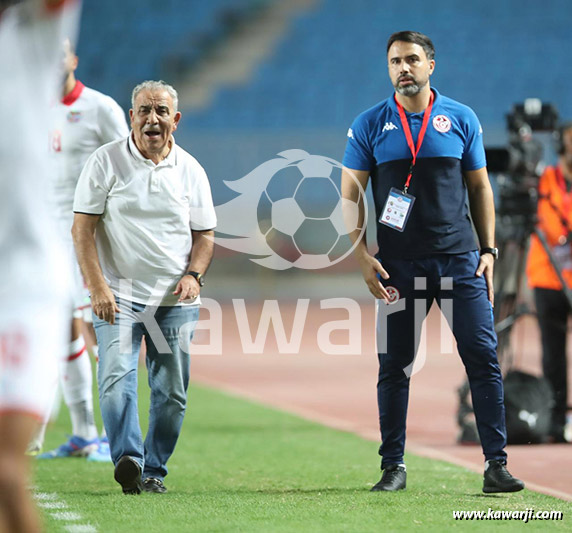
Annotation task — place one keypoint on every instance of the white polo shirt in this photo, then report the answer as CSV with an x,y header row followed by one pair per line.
x,y
147,213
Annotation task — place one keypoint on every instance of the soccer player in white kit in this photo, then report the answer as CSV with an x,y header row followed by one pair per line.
x,y
82,121
33,295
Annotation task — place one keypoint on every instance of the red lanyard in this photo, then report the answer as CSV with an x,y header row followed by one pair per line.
x,y
409,137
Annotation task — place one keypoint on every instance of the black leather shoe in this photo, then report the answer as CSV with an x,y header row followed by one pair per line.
x,y
128,475
498,479
393,478
152,484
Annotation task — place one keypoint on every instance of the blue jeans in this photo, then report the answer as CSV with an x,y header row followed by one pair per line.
x,y
168,332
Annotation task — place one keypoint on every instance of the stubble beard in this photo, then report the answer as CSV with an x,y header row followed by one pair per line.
x,y
411,89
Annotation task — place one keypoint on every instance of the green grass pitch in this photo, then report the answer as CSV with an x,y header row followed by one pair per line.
x,y
244,467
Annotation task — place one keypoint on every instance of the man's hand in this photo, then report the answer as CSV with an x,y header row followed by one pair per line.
x,y
486,266
104,305
188,288
370,268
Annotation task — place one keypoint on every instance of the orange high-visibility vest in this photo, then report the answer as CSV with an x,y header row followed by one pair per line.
x,y
554,205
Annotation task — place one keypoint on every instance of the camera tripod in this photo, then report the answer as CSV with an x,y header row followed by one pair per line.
x,y
509,278
513,243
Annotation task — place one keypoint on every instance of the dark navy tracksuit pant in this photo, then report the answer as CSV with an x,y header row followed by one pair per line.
x,y
441,278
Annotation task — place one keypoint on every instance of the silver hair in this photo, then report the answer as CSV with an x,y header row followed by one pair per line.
x,y
153,85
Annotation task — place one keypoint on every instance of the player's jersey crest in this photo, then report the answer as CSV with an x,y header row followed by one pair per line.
x,y
74,116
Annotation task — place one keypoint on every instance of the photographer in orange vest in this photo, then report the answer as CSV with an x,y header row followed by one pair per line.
x,y
555,221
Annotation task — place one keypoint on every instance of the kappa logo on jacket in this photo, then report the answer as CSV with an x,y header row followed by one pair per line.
x,y
388,126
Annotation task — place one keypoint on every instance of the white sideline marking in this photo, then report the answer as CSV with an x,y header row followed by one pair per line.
x,y
66,515
80,528
51,503
44,496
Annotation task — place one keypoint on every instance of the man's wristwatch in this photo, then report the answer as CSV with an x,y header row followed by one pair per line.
x,y
493,251
198,276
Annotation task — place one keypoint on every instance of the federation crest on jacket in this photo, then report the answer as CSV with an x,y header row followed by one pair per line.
x,y
442,123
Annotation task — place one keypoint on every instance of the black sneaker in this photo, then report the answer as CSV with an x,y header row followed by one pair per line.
x,y
128,475
152,484
498,479
393,478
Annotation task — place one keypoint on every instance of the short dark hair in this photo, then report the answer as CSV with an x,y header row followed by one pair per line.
x,y
416,38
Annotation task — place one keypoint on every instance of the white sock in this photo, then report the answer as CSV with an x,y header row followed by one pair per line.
x,y
76,381
83,423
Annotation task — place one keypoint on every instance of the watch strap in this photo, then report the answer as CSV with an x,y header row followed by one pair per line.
x,y
197,275
493,251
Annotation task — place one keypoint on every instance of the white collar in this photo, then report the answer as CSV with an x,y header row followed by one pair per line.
x,y
170,160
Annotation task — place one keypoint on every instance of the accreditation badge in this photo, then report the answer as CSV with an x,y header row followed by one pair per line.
x,y
397,209
563,256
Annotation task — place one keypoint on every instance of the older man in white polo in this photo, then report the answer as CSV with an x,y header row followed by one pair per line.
x,y
143,229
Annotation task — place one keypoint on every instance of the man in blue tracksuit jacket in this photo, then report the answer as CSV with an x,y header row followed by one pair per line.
x,y
424,153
